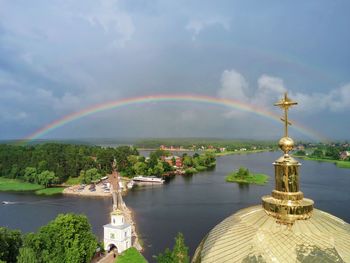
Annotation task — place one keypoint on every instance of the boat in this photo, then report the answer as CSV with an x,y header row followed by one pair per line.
x,y
148,179
130,184
6,202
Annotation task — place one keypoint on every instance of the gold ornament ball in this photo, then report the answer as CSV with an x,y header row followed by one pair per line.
x,y
286,144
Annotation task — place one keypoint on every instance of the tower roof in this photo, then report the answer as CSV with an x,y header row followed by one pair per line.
x,y
286,228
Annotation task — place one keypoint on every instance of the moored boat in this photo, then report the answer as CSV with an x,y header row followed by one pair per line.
x,y
130,184
148,179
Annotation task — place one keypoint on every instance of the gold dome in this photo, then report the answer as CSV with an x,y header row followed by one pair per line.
x,y
250,235
285,228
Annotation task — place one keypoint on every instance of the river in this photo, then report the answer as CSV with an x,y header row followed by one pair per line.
x,y
191,205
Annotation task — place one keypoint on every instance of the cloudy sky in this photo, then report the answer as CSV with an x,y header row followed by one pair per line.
x,y
61,56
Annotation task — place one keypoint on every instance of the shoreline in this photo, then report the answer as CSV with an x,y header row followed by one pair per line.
x,y
242,152
338,163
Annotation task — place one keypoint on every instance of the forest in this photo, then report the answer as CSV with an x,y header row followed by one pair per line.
x,y
54,163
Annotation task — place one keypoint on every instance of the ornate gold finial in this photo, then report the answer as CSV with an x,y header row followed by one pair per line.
x,y
287,202
286,143
285,104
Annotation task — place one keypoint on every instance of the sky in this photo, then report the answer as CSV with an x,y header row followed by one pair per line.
x,y
62,56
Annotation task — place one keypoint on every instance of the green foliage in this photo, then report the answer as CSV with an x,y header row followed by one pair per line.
x,y
26,255
10,243
68,238
166,257
317,153
179,254
300,153
90,175
131,255
140,168
332,153
65,160
190,171
47,178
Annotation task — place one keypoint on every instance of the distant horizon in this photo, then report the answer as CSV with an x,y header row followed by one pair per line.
x,y
130,140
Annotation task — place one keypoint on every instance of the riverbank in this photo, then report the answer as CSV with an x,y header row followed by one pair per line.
x,y
340,164
15,185
241,152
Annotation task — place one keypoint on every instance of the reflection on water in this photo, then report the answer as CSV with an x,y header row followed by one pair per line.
x,y
189,204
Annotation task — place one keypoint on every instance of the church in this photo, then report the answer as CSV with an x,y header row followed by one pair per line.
x,y
117,234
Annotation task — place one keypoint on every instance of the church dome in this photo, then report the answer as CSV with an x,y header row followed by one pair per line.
x,y
250,235
285,228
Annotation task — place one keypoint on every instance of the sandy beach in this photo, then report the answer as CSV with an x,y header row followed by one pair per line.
x,y
99,190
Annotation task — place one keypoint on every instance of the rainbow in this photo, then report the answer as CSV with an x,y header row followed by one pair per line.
x,y
235,104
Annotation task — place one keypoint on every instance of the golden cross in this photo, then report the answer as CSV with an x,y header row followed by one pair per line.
x,y
284,104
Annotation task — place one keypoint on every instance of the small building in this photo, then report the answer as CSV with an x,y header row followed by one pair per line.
x,y
344,155
178,160
117,234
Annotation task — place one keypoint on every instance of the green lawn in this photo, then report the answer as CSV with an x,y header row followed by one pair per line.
x,y
340,164
17,185
73,181
131,255
259,179
50,191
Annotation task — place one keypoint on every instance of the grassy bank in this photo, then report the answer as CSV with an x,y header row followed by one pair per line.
x,y
50,191
259,179
130,255
7,184
340,164
73,181
17,185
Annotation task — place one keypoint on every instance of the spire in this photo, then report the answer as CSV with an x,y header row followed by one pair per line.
x,y
287,202
116,191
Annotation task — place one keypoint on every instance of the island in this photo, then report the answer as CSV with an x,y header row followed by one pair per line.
x,y
244,176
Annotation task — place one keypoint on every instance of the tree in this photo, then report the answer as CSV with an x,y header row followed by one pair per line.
x,y
333,153
68,238
158,169
242,172
153,160
187,161
30,174
179,254
90,175
10,242
317,153
26,255
180,250
140,168
165,257
300,153
47,178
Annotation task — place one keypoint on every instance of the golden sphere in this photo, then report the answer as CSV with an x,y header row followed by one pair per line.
x,y
286,144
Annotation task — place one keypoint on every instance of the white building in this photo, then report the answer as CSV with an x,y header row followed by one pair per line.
x,y
117,234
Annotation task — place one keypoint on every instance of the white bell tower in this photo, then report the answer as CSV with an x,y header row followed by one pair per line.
x,y
117,234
